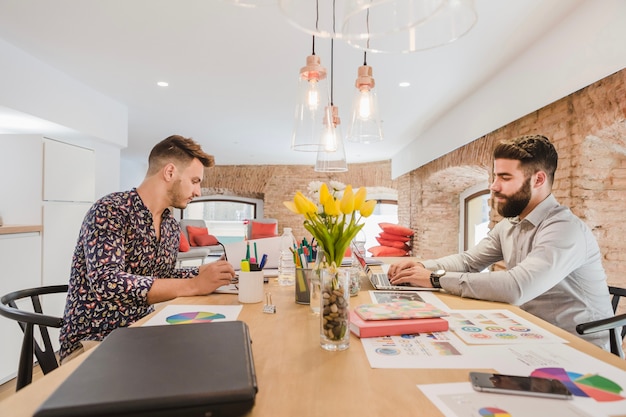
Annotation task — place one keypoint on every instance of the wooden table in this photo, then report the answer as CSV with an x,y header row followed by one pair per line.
x,y
298,378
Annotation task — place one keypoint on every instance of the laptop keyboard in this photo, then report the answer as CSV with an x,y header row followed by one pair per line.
x,y
380,280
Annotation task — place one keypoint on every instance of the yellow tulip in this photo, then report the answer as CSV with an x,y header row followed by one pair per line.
x,y
303,204
291,206
347,201
324,194
331,207
359,198
367,208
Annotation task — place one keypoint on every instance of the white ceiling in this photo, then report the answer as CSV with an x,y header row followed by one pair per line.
x,y
233,71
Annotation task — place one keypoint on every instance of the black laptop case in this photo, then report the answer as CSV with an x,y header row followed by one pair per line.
x,y
203,369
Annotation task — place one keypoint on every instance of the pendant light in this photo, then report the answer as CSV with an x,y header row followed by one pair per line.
x,y
365,125
310,106
332,156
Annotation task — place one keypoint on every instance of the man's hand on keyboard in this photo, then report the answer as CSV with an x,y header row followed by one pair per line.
x,y
409,273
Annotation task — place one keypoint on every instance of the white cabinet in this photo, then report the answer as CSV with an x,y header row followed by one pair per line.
x,y
20,267
48,183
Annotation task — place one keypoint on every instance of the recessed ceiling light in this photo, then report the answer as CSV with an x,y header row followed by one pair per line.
x,y
404,84
162,84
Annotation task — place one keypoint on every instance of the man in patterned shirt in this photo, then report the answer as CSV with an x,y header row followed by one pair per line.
x,y
125,257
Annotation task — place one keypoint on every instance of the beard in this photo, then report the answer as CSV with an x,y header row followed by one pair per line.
x,y
515,203
175,195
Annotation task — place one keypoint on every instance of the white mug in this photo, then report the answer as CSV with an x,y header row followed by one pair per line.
x,y
250,287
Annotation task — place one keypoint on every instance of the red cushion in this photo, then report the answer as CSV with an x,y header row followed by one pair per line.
x,y
199,236
396,229
389,236
379,251
184,243
206,240
260,230
393,243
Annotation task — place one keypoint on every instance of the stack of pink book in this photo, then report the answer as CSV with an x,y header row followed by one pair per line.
x,y
397,318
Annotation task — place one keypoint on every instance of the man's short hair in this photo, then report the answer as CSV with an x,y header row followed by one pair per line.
x,y
535,153
179,150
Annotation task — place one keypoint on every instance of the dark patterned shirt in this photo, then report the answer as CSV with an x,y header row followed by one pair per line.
x,y
116,260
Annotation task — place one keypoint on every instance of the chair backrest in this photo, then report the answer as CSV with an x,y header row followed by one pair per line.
x,y
190,222
616,325
27,320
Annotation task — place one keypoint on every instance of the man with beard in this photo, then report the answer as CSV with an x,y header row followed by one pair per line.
x,y
553,262
125,257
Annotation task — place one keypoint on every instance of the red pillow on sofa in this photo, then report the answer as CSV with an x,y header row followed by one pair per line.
x,y
261,230
199,236
393,243
397,238
381,251
396,229
184,243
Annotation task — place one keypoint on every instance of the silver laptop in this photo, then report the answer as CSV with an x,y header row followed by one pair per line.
x,y
380,280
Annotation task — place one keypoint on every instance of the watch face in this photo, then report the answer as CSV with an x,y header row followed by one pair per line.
x,y
439,273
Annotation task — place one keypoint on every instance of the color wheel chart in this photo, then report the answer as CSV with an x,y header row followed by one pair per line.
x,y
194,317
493,412
593,386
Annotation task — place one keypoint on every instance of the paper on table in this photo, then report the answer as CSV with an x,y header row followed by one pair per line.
x,y
460,400
181,313
488,327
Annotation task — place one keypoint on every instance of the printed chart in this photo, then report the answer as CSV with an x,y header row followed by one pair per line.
x,y
184,314
593,386
194,317
497,327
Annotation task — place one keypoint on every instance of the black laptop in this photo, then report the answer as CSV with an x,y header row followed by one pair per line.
x,y
200,369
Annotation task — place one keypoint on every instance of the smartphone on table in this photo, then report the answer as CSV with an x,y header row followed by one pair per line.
x,y
519,385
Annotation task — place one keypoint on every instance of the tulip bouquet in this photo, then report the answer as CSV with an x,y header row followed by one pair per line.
x,y
333,221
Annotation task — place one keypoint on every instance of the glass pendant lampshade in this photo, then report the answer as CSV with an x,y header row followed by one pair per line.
x,y
332,156
312,101
318,17
366,19
450,22
365,126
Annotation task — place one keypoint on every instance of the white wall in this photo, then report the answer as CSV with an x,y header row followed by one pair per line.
x,y
33,87
586,47
132,173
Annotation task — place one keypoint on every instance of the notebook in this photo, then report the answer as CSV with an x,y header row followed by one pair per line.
x,y
380,280
398,310
195,369
381,328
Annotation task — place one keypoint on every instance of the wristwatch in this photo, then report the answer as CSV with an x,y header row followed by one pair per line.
x,y
434,277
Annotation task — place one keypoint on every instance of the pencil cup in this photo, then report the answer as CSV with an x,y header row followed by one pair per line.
x,y
250,287
303,280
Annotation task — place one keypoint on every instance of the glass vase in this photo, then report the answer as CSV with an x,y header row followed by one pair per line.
x,y
334,308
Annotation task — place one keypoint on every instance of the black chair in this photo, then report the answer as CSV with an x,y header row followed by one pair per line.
x,y
616,325
27,321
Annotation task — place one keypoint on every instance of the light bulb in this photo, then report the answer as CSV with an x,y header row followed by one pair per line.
x,y
313,95
365,104
330,139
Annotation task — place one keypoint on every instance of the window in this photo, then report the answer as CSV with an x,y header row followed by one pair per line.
x,y
225,215
474,216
